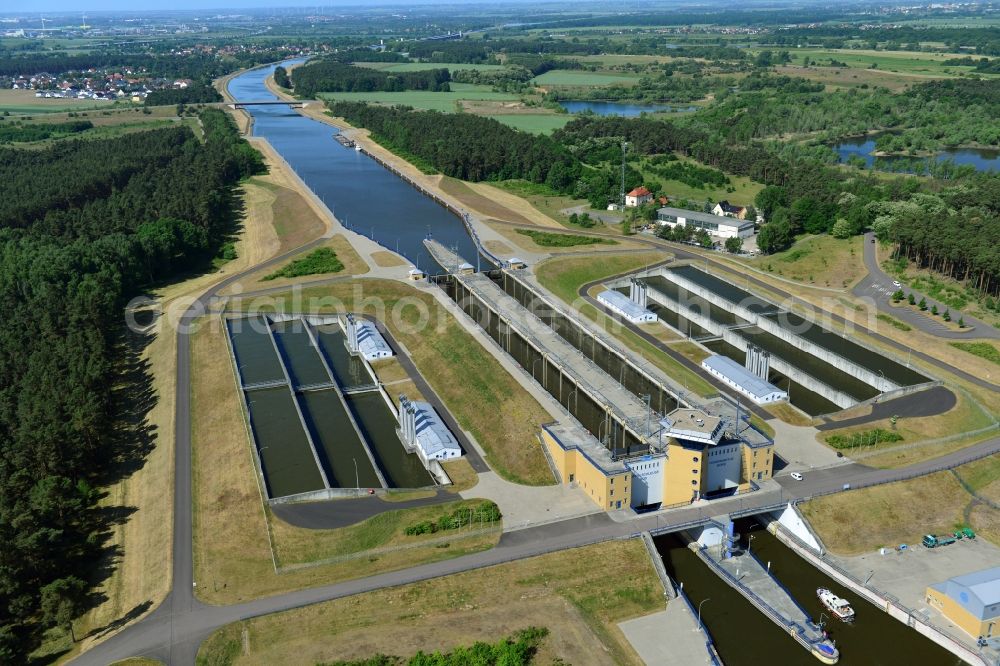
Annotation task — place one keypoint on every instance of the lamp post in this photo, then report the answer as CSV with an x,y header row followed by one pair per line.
x,y
749,541
357,483
699,612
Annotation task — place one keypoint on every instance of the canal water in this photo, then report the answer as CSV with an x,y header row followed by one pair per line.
x,y
982,159
361,193
624,109
301,357
349,370
254,351
338,445
808,401
745,637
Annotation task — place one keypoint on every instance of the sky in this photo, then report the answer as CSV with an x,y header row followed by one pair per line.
x,y
38,6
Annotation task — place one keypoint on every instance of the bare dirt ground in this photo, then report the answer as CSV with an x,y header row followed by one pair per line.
x,y
387,259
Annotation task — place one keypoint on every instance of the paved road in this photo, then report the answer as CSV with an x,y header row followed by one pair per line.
x,y
331,514
175,630
878,286
935,400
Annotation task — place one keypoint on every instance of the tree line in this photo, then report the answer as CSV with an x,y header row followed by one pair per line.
x,y
465,146
193,94
332,76
83,226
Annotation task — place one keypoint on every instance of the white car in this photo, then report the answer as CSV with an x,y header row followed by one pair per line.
x,y
796,476
896,283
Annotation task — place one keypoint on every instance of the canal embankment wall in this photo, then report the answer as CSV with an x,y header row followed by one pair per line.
x,y
877,598
835,396
767,325
794,629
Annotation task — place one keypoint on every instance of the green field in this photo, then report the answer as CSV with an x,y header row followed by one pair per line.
x,y
744,189
540,123
903,62
573,77
421,66
419,99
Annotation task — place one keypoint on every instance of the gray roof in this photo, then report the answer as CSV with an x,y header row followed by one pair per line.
x,y
748,381
433,436
623,303
370,341
704,217
978,592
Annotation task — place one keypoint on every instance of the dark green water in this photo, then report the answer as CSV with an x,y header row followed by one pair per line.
x,y
726,290
254,351
302,359
350,370
808,401
745,637
694,302
289,466
861,355
338,444
378,425
874,638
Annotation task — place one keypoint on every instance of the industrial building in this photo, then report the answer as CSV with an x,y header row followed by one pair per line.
x,y
422,431
971,602
622,305
363,338
741,379
699,458
723,227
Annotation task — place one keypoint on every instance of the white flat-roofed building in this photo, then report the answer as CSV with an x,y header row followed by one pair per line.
x,y
370,342
738,377
423,431
693,425
621,304
715,225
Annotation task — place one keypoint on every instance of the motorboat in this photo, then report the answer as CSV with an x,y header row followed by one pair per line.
x,y
836,605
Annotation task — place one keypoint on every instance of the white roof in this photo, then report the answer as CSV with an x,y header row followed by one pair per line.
x,y
619,300
742,377
433,435
693,425
370,341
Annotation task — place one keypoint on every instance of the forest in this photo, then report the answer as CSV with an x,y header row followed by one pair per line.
x,y
24,132
465,146
332,76
84,225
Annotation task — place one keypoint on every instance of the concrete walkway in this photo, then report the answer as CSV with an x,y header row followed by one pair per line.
x,y
668,637
524,506
797,445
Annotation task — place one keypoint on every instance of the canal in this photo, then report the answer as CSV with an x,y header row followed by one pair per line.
x,y
362,194
745,637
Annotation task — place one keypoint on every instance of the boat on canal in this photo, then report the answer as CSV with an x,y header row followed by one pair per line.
x,y
840,607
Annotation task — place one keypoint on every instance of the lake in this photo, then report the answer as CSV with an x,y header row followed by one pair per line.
x,y
983,159
625,109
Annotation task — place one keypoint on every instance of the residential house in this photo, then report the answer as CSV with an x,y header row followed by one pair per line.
x,y
724,208
638,197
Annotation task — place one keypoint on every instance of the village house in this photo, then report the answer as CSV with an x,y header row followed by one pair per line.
x,y
638,197
730,210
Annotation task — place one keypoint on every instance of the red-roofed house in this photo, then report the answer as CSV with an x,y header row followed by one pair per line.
x,y
638,197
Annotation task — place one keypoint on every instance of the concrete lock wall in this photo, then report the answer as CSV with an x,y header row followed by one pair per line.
x,y
838,398
769,326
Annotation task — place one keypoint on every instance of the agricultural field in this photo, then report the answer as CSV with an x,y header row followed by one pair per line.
x,y
422,66
535,123
573,77
914,63
24,101
422,100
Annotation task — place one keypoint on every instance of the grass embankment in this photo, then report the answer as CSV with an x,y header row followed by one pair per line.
x,y
546,239
320,261
484,398
564,276
740,189
965,416
822,261
421,100
233,532
861,521
986,350
570,593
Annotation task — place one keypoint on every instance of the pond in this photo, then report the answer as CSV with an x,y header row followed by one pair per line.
x,y
625,109
982,159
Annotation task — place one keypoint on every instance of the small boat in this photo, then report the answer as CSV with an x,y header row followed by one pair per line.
x,y
839,607
357,147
